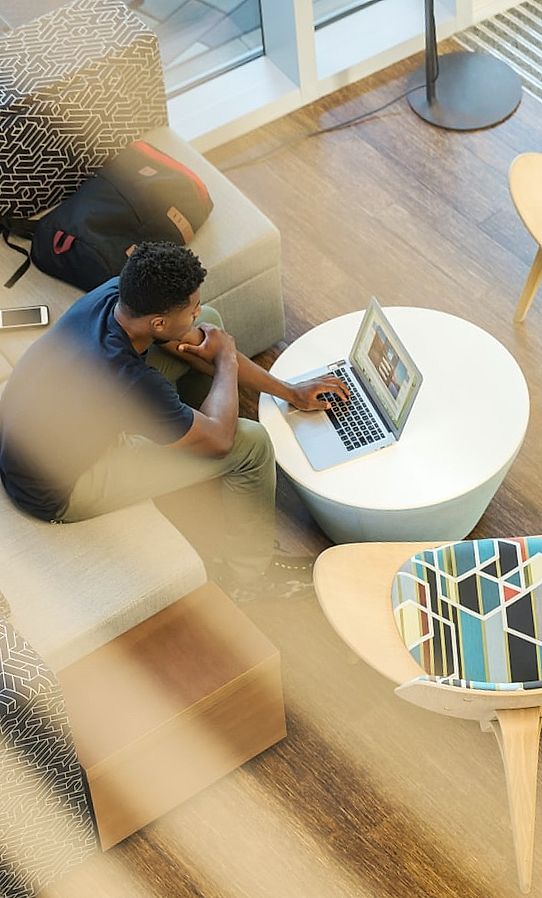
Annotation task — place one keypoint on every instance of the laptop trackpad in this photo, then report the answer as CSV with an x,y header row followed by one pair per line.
x,y
316,435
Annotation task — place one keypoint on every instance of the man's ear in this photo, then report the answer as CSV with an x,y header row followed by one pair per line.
x,y
158,323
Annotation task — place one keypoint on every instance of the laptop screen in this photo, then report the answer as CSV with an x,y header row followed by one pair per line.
x,y
385,366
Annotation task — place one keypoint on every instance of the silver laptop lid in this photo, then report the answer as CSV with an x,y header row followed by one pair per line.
x,y
386,370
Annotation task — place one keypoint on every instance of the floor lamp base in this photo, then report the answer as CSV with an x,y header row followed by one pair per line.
x,y
473,90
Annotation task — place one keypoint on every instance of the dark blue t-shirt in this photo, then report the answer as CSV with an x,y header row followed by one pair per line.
x,y
73,392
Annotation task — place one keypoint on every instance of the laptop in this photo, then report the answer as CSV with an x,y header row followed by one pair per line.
x,y
383,381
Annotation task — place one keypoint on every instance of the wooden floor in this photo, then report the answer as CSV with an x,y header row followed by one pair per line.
x,y
368,796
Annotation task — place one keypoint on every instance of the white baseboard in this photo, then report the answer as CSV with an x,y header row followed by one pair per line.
x,y
484,9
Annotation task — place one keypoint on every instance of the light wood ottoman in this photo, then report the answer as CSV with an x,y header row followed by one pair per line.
x,y
170,706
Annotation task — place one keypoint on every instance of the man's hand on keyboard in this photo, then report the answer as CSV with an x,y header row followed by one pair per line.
x,y
307,395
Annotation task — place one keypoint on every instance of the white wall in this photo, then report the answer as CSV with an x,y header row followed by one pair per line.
x,y
483,9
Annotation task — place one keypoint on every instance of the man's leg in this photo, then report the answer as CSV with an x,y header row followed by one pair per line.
x,y
138,469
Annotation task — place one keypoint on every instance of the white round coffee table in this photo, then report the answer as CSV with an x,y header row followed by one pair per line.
x,y
466,427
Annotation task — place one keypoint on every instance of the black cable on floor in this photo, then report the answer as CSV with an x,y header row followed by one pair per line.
x,y
348,123
339,127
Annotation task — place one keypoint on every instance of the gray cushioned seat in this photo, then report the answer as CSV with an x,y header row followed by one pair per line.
x,y
73,587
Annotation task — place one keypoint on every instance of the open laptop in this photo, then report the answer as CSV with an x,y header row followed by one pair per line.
x,y
383,381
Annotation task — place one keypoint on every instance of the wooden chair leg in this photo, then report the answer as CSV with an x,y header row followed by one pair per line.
x,y
531,286
518,734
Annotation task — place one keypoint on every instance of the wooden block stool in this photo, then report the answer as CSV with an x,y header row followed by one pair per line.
x,y
170,706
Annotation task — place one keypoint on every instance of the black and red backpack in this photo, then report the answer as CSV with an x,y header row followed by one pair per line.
x,y
141,194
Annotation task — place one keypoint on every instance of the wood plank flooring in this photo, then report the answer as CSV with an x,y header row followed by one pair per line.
x,y
368,797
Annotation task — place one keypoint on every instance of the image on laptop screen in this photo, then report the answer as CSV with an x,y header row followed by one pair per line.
x,y
385,365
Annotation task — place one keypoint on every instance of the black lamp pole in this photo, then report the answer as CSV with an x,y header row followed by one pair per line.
x,y
462,91
431,57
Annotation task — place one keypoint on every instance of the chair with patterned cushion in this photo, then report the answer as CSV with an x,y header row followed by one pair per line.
x,y
470,615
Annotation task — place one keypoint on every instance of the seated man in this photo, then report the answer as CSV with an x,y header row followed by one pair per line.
x,y
91,419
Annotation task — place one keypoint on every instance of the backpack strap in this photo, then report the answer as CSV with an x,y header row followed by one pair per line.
x,y
19,227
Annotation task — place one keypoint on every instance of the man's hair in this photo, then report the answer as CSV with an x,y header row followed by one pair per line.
x,y
158,277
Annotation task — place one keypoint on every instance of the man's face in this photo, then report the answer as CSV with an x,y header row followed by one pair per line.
x,y
176,323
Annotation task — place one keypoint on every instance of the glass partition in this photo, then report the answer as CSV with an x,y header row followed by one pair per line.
x,y
328,11
200,39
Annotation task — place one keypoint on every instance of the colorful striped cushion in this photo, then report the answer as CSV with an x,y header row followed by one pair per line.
x,y
470,612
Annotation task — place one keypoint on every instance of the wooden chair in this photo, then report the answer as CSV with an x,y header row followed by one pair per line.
x,y
525,181
385,609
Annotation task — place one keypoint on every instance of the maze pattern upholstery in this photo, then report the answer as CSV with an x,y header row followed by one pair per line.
x,y
470,612
46,822
76,86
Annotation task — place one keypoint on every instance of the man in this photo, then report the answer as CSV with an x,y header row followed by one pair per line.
x,y
133,393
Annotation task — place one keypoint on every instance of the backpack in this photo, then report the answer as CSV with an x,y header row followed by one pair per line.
x,y
141,194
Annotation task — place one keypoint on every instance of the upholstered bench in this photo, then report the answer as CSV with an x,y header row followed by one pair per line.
x,y
167,684
160,672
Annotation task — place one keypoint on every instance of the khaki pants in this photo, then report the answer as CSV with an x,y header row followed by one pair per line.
x,y
135,468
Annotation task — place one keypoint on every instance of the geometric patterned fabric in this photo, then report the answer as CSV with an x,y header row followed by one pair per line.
x,y
46,819
76,86
470,612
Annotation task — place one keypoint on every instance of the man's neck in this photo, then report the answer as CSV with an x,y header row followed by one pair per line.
x,y
134,328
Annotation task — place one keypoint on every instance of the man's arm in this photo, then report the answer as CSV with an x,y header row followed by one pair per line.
x,y
303,395
213,430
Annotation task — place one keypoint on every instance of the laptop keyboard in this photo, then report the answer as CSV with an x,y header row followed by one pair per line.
x,y
353,420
